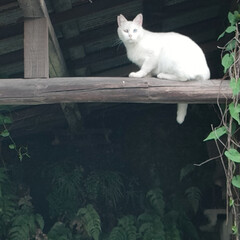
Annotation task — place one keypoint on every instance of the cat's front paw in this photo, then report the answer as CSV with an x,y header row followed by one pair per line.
x,y
138,74
133,75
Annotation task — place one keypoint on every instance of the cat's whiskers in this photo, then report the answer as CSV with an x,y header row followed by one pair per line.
x,y
117,43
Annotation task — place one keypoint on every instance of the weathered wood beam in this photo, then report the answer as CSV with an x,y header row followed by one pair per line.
x,y
102,89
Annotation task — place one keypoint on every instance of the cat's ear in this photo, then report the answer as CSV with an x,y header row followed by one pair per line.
x,y
138,19
121,19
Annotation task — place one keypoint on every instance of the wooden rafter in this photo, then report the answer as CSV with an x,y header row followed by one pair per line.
x,y
102,89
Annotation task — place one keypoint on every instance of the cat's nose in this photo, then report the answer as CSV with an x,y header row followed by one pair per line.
x,y
130,35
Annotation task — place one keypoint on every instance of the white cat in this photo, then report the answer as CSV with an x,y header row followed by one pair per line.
x,y
170,56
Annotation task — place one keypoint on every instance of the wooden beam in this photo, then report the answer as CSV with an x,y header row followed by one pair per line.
x,y
102,89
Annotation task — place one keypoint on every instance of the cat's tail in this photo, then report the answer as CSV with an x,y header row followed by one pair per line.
x,y
181,112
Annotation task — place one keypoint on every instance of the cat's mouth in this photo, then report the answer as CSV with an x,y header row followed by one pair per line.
x,y
130,40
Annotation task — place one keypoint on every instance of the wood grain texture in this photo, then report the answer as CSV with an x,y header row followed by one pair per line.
x,y
103,89
32,8
36,63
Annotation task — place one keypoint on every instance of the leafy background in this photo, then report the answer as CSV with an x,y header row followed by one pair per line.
x,y
141,184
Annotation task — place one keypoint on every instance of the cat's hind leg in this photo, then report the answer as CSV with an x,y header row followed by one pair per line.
x,y
168,76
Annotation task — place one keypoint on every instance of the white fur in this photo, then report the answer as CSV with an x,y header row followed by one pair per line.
x,y
170,56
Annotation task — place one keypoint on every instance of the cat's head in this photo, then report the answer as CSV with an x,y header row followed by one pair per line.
x,y
130,31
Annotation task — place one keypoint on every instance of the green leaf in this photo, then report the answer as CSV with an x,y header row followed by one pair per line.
x,y
234,127
5,133
235,230
231,45
216,133
236,181
221,35
233,155
231,18
235,86
237,16
5,119
227,61
231,202
234,111
12,146
230,29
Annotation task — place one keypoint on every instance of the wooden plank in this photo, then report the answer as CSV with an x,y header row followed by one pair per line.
x,y
11,44
36,63
62,5
11,69
11,57
11,17
85,10
191,17
8,6
3,2
108,15
11,30
102,89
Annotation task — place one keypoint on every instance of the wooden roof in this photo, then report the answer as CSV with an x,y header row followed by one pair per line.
x,y
86,31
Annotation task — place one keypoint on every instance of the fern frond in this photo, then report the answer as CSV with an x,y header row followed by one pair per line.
x,y
145,227
151,226
126,221
172,233
59,232
39,221
118,233
67,191
145,217
155,198
24,226
187,227
91,221
3,176
194,196
7,208
128,224
105,185
69,183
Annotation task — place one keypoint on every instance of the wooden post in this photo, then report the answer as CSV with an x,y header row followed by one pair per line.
x,y
37,27
36,60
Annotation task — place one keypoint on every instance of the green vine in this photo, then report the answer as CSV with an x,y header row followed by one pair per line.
x,y
21,151
230,122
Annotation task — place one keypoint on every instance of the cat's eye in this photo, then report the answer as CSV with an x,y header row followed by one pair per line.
x,y
134,30
126,30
